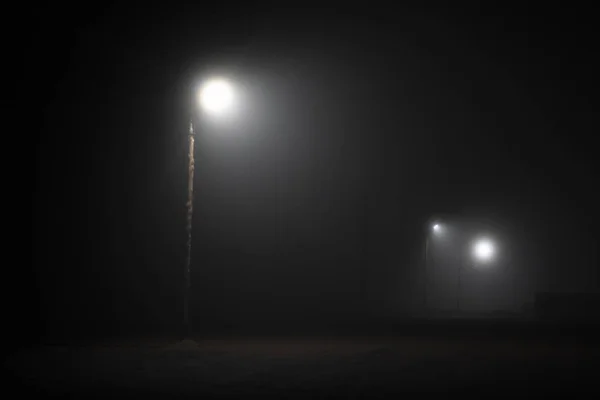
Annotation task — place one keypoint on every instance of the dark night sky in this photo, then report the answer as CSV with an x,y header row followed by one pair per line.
x,y
381,119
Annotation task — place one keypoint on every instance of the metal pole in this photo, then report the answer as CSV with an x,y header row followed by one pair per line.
x,y
458,288
366,261
190,210
514,289
280,242
426,280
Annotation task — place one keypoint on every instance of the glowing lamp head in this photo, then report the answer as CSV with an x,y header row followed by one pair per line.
x,y
483,250
437,228
216,96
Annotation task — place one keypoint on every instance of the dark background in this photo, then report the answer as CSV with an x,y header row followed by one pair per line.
x,y
372,120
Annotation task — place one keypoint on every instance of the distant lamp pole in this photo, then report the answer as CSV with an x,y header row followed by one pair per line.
x,y
435,229
214,97
483,252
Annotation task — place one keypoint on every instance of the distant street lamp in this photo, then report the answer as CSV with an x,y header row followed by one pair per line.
x,y
216,96
482,252
435,229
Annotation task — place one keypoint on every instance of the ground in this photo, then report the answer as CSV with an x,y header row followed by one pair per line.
x,y
375,366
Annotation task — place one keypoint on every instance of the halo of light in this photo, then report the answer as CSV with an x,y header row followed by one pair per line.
x,y
483,250
216,96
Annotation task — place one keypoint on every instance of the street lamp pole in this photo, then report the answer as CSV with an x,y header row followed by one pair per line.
x,y
190,210
435,229
458,286
215,96
426,280
483,252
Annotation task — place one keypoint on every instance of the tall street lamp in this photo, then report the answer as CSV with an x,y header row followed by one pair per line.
x,y
436,229
214,97
483,252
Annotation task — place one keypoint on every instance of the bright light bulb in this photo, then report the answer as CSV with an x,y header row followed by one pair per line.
x,y
216,96
483,250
